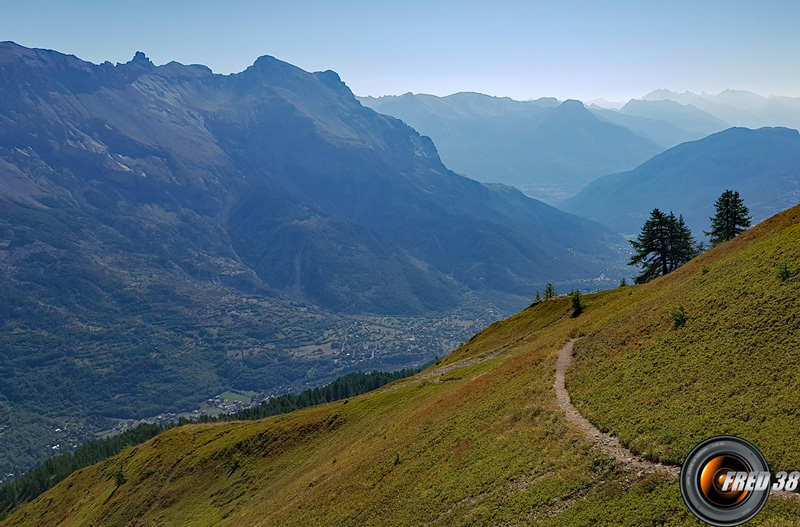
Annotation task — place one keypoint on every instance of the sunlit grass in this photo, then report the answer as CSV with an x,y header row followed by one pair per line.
x,y
733,366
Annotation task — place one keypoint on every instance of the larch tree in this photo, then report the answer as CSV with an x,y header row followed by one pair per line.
x,y
732,217
664,244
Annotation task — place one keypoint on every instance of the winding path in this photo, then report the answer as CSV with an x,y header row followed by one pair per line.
x,y
608,443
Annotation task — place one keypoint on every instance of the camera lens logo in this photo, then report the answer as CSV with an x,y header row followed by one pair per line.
x,y
725,481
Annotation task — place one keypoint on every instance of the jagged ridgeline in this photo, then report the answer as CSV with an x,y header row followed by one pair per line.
x,y
480,439
167,234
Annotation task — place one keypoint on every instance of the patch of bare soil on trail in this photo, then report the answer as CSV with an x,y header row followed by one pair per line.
x,y
461,364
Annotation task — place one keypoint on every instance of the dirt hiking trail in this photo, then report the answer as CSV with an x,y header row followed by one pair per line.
x,y
608,443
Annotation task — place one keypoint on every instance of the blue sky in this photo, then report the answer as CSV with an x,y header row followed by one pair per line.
x,y
565,49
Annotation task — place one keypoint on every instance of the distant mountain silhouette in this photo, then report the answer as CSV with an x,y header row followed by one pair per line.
x,y
687,117
762,165
660,129
547,149
739,107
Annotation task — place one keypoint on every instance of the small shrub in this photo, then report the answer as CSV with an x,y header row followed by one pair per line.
x,y
397,459
599,464
623,282
437,360
120,478
785,272
679,317
705,269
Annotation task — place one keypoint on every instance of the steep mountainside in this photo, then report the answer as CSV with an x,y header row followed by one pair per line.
x,y
480,439
762,165
279,168
167,233
547,149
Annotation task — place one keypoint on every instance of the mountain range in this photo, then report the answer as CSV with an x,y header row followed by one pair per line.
x,y
552,150
762,165
738,107
548,149
167,233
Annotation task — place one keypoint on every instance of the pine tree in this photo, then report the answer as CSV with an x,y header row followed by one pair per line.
x,y
731,218
664,244
651,248
577,303
538,298
549,291
682,246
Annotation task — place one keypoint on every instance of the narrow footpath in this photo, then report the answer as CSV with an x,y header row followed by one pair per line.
x,y
608,443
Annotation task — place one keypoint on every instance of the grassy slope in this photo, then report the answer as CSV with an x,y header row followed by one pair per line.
x,y
485,443
733,368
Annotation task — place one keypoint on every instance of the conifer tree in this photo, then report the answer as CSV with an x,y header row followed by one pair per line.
x,y
577,303
664,244
682,246
549,291
731,217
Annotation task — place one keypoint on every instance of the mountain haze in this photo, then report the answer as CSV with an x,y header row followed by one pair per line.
x,y
738,107
686,117
669,118
546,148
661,129
762,165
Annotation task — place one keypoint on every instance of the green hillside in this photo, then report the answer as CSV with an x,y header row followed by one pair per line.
x,y
732,368
480,439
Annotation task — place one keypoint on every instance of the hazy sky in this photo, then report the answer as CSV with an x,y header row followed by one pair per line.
x,y
527,49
